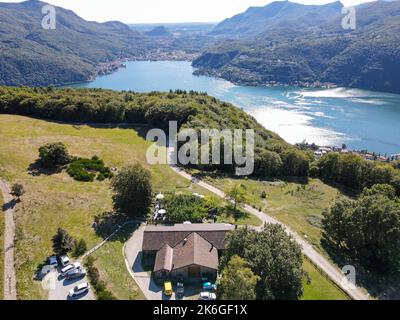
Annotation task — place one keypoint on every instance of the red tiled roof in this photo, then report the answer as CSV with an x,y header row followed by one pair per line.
x,y
156,237
193,250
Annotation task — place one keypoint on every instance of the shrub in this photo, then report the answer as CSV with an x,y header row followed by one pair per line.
x,y
80,248
17,190
263,195
82,169
98,286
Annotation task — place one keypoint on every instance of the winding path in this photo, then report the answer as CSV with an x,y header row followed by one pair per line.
x,y
10,287
316,258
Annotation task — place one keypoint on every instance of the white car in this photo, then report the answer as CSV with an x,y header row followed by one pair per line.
x,y
207,296
64,260
70,267
79,289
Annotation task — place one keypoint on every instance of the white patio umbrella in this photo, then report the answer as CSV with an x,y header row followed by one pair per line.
x,y
160,197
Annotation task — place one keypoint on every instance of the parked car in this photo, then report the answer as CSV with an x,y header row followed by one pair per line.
x,y
75,274
70,267
180,289
79,289
168,288
208,286
53,261
64,261
207,296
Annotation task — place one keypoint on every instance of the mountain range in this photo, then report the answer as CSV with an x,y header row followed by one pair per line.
x,y
31,55
276,16
286,43
282,43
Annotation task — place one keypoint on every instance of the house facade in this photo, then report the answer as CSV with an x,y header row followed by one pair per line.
x,y
187,252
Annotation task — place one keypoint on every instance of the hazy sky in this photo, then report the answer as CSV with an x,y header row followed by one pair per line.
x,y
139,11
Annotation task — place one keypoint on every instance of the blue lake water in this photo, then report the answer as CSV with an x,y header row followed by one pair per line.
x,y
361,119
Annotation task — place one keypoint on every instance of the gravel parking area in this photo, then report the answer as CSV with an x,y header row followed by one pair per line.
x,y
59,287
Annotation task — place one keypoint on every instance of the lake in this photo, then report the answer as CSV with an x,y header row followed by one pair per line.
x,y
361,119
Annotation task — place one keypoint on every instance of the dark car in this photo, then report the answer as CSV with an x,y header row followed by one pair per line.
x,y
76,274
180,289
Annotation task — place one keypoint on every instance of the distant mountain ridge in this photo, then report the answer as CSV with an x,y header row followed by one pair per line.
x,y
278,14
31,55
322,53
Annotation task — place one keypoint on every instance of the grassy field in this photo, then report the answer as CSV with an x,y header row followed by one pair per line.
x,y
110,261
1,248
244,219
53,201
296,204
320,287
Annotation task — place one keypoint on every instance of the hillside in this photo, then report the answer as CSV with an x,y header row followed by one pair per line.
x,y
159,31
320,54
56,200
192,110
31,55
275,16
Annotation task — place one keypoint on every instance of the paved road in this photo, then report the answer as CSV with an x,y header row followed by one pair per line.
x,y
59,287
320,261
10,288
133,257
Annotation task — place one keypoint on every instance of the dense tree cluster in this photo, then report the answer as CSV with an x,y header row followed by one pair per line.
x,y
272,256
182,208
355,172
368,228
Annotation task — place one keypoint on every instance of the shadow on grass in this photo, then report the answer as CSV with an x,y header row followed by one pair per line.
x,y
107,223
9,205
379,285
225,175
42,270
237,214
348,192
35,169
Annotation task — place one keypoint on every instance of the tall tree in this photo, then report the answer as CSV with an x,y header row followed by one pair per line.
x,y
238,282
237,194
53,155
62,242
132,190
273,256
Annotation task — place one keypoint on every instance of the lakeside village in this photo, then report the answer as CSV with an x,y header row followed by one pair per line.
x,y
320,151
